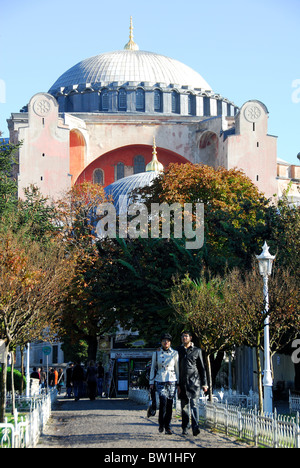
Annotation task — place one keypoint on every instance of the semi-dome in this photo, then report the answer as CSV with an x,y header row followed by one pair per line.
x,y
124,187
128,65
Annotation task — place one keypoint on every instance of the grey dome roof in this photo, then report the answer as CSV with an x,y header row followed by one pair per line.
x,y
130,65
124,186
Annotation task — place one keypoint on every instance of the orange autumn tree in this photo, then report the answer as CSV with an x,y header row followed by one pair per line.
x,y
33,282
78,217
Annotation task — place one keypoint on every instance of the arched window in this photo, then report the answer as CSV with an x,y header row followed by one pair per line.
x,y
157,100
104,100
140,99
98,177
69,106
191,104
120,171
175,102
122,100
139,164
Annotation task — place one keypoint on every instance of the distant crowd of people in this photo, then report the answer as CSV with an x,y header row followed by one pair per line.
x,y
56,378
79,380
77,376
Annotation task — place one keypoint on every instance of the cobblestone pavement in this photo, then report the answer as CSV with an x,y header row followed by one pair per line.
x,y
119,423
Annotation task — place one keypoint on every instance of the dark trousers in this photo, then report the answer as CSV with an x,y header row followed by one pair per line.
x,y
92,386
78,389
166,392
190,408
165,412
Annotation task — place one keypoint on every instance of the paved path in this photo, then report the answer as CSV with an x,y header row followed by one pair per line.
x,y
115,423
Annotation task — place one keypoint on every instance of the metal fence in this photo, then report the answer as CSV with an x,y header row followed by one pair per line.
x,y
266,430
25,430
294,403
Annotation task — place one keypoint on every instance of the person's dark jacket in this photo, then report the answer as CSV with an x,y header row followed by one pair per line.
x,y
192,374
78,374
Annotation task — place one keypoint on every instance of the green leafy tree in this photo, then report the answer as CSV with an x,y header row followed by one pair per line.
x,y
8,183
207,307
37,217
234,210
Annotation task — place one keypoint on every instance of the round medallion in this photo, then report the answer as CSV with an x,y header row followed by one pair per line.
x,y
42,107
252,113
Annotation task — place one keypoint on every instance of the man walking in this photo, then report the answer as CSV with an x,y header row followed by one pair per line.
x,y
191,376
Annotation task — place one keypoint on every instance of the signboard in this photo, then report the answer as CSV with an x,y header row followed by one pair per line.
x,y
47,350
2,350
131,353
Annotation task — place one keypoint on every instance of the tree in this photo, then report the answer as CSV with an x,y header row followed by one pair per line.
x,y
284,222
8,183
207,307
80,320
246,291
234,210
77,215
32,286
37,217
141,270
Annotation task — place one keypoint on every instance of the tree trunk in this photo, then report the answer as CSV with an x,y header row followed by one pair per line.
x,y
13,393
3,386
209,377
22,369
92,347
216,364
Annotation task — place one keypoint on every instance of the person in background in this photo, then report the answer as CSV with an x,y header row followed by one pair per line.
x,y
100,378
69,383
91,378
191,376
77,379
60,381
51,378
43,380
165,375
55,377
35,374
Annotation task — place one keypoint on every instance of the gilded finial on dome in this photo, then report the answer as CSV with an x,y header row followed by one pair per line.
x,y
154,165
131,45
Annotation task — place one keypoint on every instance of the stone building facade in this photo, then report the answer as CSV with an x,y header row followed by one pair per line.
x,y
98,120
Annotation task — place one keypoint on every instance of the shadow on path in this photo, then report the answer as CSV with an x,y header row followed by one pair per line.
x,y
118,423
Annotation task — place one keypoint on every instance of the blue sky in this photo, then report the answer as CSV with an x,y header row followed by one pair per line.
x,y
244,49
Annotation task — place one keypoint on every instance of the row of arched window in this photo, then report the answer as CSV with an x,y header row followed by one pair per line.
x,y
140,101
139,165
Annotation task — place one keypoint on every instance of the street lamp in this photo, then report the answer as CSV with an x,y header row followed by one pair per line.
x,y
265,262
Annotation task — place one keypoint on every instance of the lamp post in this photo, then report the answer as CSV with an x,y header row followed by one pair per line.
x,y
265,262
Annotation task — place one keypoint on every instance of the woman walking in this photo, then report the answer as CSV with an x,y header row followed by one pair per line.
x,y
91,378
165,375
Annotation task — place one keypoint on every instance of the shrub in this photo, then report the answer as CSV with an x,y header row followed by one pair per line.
x,y
17,379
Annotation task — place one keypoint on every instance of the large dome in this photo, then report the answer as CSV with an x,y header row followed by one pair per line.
x,y
132,81
125,66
